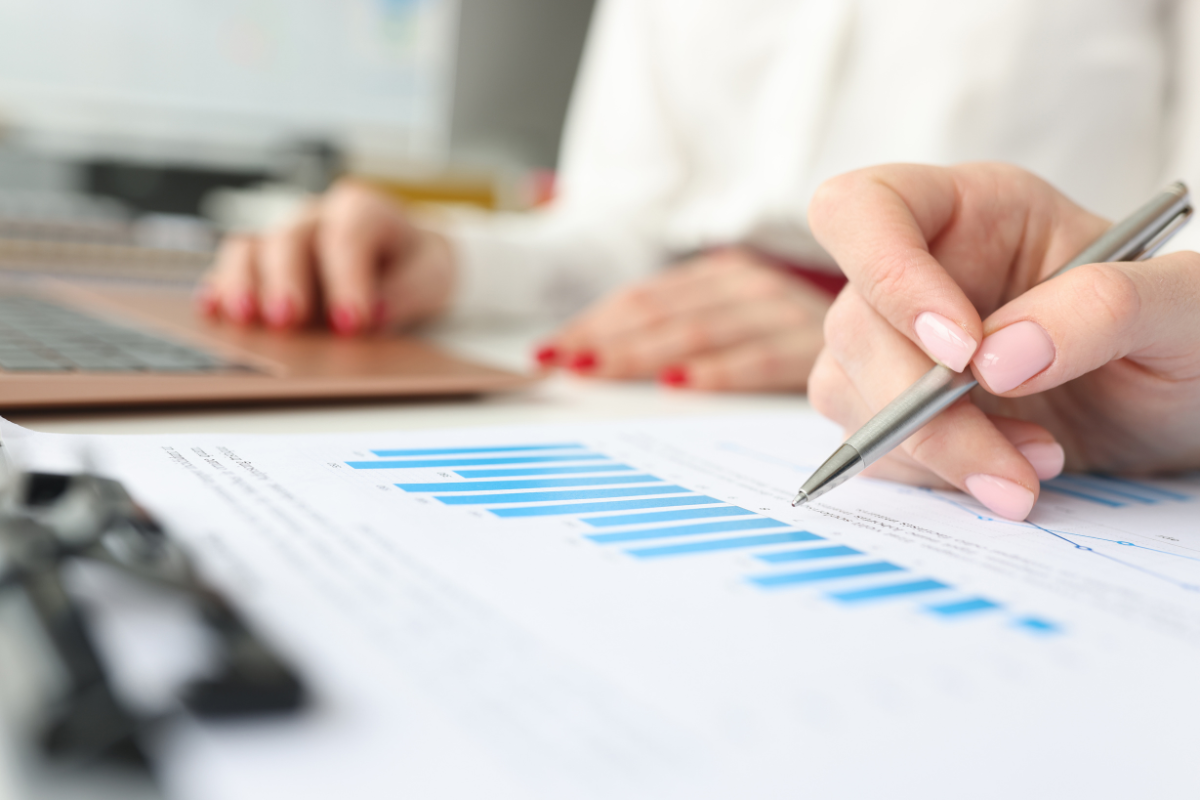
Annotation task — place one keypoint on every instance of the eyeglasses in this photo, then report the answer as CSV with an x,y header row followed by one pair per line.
x,y
49,522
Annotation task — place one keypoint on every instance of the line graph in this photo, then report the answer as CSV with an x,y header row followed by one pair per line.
x,y
1145,496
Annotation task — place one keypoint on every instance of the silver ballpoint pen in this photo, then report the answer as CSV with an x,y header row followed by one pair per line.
x,y
1133,239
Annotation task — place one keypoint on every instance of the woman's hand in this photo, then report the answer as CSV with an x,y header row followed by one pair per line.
x,y
1101,365
353,257
724,320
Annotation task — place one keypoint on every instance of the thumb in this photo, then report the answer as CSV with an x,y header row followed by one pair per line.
x,y
1092,315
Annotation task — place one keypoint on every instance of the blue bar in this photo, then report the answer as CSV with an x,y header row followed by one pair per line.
x,y
1094,485
566,494
1038,625
457,451
563,509
536,483
972,606
793,578
667,516
472,462
721,544
1142,487
812,553
884,592
528,471
1104,501
686,530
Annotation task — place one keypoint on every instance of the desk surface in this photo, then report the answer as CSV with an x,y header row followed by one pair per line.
x,y
560,398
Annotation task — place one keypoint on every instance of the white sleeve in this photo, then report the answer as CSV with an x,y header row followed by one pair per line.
x,y
1182,160
620,166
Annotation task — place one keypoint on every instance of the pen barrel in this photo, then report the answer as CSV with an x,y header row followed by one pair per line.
x,y
1140,234
936,390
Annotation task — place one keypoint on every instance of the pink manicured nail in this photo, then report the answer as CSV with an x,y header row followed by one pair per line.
x,y
945,341
1009,500
344,320
378,313
279,312
1013,355
1046,458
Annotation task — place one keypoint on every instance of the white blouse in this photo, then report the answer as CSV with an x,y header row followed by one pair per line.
x,y
704,122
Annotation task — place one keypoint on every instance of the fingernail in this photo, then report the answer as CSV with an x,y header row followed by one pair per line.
x,y
1013,355
1009,500
1046,458
674,376
945,341
278,312
343,320
584,362
378,313
546,355
240,309
207,302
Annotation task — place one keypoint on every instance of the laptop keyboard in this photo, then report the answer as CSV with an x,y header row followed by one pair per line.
x,y
40,336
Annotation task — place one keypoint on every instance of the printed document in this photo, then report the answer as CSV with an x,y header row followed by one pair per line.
x,y
634,610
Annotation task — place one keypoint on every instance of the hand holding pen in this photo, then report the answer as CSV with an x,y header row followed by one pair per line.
x,y
1099,366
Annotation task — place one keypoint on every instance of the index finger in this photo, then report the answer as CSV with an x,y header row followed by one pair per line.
x,y
916,241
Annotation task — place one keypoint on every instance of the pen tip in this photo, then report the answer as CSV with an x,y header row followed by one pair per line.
x,y
801,498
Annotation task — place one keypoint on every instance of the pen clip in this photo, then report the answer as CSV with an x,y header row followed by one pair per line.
x,y
1153,245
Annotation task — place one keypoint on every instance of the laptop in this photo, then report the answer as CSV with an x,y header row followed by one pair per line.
x,y
68,346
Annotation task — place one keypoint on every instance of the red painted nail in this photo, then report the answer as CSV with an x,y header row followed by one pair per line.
x,y
546,355
207,302
344,320
584,362
240,309
279,312
378,313
674,376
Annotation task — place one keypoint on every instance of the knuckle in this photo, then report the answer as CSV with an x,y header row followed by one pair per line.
x,y
841,324
924,446
825,386
891,278
1111,293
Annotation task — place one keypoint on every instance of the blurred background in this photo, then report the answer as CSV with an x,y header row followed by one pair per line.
x,y
134,132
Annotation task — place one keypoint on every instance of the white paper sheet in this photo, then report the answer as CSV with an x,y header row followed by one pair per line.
x,y
461,646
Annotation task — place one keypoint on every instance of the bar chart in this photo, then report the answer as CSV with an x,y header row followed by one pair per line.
x,y
651,519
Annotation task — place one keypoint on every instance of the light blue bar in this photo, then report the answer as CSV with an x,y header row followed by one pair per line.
x,y
1142,487
458,451
667,516
1104,501
1037,625
815,576
972,606
686,530
1096,486
472,462
812,553
529,471
566,494
536,483
885,592
722,544
564,509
